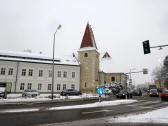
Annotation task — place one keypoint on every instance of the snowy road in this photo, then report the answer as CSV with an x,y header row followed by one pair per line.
x,y
77,112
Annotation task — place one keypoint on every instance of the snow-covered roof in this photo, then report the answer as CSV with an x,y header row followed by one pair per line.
x,y
110,65
87,49
37,58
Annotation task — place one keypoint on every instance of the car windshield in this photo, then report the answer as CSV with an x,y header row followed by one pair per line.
x,y
153,91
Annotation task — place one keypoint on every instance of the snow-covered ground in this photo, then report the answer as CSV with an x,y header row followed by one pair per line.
x,y
13,98
156,116
96,104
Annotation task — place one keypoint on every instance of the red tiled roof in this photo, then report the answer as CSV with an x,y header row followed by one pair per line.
x,y
88,38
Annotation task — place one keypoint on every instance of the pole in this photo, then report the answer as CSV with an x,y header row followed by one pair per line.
x,y
52,88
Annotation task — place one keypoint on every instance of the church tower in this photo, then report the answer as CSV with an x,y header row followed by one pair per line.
x,y
89,62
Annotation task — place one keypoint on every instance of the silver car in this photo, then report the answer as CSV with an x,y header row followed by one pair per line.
x,y
30,93
3,92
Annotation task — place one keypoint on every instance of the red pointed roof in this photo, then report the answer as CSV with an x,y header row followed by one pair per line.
x,y
88,38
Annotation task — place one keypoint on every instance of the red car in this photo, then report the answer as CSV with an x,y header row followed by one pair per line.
x,y
164,95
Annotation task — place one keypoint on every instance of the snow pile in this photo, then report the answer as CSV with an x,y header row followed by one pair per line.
x,y
13,98
156,116
96,104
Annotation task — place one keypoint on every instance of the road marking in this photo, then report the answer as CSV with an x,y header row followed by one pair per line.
x,y
18,110
106,110
145,107
145,103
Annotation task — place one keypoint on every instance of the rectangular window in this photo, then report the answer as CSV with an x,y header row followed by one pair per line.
x,y
40,73
23,72
86,55
3,71
112,79
39,86
50,73
59,74
10,72
22,86
30,72
72,86
64,86
73,74
49,86
58,86
29,86
65,74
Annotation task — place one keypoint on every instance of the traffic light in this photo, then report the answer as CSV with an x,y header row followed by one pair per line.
x,y
145,71
146,47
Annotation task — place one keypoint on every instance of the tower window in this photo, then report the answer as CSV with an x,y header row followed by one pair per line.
x,y
85,84
86,55
112,79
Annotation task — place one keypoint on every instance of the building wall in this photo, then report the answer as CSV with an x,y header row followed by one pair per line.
x,y
119,78
17,79
89,70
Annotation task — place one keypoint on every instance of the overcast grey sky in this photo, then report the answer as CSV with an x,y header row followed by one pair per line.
x,y
119,27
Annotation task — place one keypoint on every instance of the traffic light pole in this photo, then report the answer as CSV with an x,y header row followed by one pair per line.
x,y
159,46
146,46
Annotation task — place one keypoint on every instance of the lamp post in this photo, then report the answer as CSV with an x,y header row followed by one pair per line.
x,y
52,90
130,76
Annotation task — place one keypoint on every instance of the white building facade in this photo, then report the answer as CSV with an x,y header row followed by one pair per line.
x,y
20,71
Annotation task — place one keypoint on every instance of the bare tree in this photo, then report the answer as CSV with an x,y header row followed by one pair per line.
x,y
157,74
165,71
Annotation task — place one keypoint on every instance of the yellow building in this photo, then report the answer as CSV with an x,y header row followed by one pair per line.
x,y
91,73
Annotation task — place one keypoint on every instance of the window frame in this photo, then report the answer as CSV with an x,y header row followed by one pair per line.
x,y
40,73
39,86
73,74
65,74
49,87
72,86
58,87
23,72
30,72
10,72
29,86
59,74
22,86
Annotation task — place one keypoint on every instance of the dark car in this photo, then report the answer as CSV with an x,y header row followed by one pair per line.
x,y
137,92
70,92
124,94
3,93
164,95
154,93
30,93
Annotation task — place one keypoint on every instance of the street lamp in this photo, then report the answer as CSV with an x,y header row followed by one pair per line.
x,y
130,75
52,91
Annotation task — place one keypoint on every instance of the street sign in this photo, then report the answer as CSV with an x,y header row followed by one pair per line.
x,y
145,71
100,91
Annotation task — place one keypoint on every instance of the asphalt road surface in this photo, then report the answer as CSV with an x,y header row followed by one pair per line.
x,y
57,116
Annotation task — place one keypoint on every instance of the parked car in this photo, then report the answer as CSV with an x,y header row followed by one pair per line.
x,y
3,92
70,92
154,93
30,93
137,92
124,94
164,95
